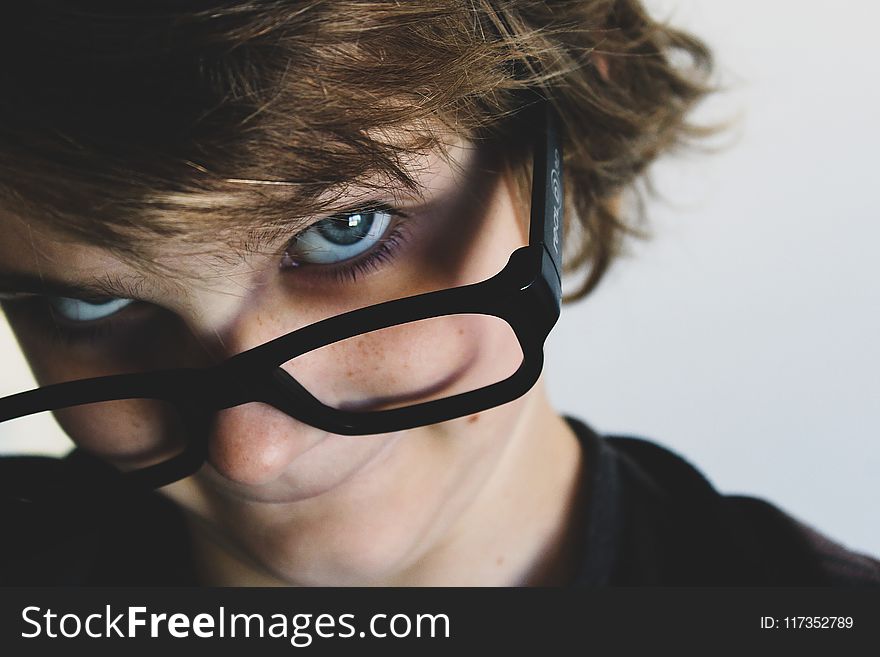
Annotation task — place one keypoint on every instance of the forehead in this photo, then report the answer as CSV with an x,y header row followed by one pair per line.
x,y
34,258
210,243
124,202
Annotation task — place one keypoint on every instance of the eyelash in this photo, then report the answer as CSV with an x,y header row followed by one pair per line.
x,y
351,271
38,314
348,272
92,332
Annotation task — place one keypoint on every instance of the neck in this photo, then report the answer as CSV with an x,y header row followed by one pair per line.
x,y
525,527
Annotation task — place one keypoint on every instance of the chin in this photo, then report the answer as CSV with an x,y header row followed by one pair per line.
x,y
378,527
360,530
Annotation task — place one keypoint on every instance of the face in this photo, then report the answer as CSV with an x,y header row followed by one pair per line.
x,y
277,496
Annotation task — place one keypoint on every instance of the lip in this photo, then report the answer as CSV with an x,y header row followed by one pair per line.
x,y
326,466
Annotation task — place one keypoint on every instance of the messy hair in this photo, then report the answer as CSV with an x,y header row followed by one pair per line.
x,y
120,120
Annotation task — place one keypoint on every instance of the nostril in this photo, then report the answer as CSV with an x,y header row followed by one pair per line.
x,y
253,444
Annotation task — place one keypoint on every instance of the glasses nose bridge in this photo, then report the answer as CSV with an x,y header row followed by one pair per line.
x,y
238,382
234,383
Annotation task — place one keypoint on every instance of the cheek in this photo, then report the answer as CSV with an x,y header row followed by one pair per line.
x,y
160,342
410,363
128,434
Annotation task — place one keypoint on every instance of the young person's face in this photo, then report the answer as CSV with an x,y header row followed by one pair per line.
x,y
285,498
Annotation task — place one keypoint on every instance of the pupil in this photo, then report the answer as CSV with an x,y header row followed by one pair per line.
x,y
347,230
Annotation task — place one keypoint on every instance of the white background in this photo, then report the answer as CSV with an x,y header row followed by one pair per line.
x,y
745,334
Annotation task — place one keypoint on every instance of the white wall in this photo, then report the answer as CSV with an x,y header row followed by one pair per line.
x,y
745,335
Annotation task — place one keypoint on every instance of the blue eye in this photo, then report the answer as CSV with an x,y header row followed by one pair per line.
x,y
78,310
339,238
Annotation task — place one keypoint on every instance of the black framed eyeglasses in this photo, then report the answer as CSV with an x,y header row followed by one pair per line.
x,y
303,373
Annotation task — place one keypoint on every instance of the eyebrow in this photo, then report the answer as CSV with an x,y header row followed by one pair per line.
x,y
15,283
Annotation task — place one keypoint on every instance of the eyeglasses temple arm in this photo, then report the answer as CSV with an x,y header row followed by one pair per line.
x,y
548,200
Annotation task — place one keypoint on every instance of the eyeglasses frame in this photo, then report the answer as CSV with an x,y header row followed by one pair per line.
x,y
526,293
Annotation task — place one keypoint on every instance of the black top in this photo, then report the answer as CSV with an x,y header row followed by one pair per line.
x,y
652,519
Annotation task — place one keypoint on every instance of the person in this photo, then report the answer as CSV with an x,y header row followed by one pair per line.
x,y
291,265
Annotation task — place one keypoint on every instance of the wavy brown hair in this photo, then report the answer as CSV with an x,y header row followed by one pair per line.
x,y
160,117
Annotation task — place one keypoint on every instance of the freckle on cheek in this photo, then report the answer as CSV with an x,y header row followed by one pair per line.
x,y
473,418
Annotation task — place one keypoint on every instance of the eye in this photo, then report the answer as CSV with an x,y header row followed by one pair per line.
x,y
338,238
79,310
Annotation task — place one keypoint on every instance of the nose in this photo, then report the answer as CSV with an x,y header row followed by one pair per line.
x,y
253,444
246,332
228,320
